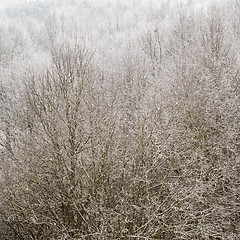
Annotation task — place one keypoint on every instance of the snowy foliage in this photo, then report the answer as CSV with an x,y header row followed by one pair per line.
x,y
120,120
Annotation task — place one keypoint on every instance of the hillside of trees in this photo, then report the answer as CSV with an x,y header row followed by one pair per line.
x,y
120,120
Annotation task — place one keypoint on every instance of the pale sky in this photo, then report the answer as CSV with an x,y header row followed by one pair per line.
x,y
11,3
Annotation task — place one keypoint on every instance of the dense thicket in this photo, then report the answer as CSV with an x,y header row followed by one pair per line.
x,y
127,130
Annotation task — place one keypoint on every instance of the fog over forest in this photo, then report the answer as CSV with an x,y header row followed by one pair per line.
x,y
119,119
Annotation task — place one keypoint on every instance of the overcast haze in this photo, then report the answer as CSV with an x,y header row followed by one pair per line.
x,y
11,3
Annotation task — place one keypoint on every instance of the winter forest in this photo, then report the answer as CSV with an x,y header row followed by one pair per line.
x,y
120,120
